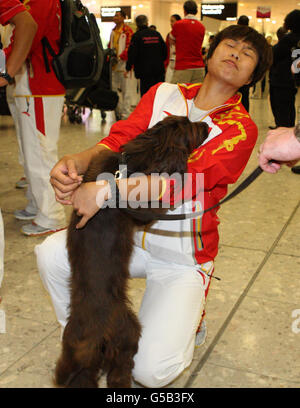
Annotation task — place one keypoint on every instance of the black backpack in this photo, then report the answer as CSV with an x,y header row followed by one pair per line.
x,y
80,59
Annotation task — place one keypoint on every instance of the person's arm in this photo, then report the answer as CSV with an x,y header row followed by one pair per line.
x,y
282,145
25,30
131,54
65,176
90,197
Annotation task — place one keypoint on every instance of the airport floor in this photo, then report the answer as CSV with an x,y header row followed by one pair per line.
x,y
252,313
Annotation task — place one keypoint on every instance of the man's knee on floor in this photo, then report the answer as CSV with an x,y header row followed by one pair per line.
x,y
153,374
46,254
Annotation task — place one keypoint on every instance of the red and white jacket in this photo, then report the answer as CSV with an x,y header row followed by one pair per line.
x,y
221,159
123,42
47,15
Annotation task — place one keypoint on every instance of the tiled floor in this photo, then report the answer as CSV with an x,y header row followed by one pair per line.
x,y
253,333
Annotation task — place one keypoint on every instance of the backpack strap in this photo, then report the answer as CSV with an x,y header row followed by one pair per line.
x,y
46,46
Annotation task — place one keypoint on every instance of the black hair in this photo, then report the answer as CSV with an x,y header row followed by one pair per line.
x,y
190,7
281,32
243,20
141,20
292,21
176,16
256,40
122,13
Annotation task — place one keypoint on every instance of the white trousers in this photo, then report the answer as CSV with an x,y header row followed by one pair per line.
x,y
120,84
39,121
170,312
1,248
10,90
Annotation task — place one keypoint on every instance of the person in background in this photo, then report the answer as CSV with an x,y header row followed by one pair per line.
x,y
281,32
119,41
171,51
244,90
39,98
282,82
13,12
146,54
187,35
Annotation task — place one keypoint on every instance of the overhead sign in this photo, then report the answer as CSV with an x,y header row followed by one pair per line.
x,y
220,11
107,13
263,12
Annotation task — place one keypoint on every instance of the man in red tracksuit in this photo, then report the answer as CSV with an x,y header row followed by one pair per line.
x,y
176,257
187,35
12,11
120,38
39,98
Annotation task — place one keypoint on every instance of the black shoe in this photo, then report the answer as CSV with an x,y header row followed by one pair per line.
x,y
272,127
296,169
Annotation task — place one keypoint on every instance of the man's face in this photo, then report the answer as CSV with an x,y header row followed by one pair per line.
x,y
118,19
172,21
234,61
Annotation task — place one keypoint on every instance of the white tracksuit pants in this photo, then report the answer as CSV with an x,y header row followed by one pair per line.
x,y
39,121
170,312
120,84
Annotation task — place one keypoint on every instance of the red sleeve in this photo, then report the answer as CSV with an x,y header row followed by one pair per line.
x,y
221,161
124,54
8,9
138,122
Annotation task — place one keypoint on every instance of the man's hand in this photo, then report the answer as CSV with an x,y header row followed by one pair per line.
x,y
88,199
65,179
280,146
3,82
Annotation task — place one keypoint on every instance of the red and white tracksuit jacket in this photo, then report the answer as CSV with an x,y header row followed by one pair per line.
x,y
47,14
123,45
39,98
221,159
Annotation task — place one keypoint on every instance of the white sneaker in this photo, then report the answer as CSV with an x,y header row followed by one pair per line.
x,y
22,183
34,230
24,215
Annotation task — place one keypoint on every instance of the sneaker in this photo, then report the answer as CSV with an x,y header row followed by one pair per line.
x,y
24,215
201,334
22,183
34,230
296,169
